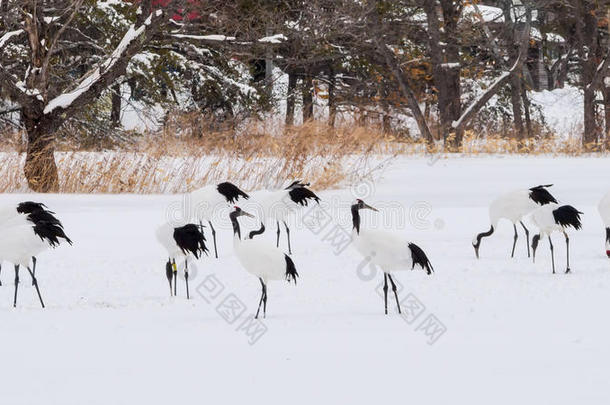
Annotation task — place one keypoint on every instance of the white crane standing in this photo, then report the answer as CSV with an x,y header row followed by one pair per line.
x,y
554,218
514,206
278,206
206,201
180,242
25,237
385,249
604,212
264,261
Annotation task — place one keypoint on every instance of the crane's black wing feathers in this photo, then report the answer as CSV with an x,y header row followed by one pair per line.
x,y
50,232
302,195
540,195
190,239
419,257
27,207
44,216
566,216
231,192
291,271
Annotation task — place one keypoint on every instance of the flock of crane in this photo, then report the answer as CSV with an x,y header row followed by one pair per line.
x,y
30,228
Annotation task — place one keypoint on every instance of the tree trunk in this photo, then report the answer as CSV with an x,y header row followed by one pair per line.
x,y
292,84
590,135
606,136
115,111
40,169
515,99
526,109
307,98
332,108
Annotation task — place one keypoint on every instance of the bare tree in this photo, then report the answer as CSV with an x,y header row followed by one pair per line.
x,y
44,101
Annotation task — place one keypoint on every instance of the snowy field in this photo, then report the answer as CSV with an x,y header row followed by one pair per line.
x,y
492,331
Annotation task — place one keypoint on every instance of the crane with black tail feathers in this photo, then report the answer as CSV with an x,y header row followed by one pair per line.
x,y
604,212
264,261
206,203
554,218
181,243
386,250
25,236
514,206
278,206
12,214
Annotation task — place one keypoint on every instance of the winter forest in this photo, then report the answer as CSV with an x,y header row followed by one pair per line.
x,y
439,76
304,202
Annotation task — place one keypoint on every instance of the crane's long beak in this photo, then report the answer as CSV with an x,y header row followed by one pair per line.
x,y
370,208
247,214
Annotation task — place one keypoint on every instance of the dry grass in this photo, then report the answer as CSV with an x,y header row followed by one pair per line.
x,y
326,157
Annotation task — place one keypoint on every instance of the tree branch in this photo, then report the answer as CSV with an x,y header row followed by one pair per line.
x,y
96,81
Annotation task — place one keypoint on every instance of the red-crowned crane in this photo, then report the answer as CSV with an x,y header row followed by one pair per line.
x,y
604,212
554,218
23,237
208,200
180,242
9,213
278,206
387,250
514,206
264,261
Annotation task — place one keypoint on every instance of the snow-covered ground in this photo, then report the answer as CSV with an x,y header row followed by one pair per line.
x,y
495,330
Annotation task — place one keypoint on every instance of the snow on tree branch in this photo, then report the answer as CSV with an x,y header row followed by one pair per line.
x,y
8,35
65,100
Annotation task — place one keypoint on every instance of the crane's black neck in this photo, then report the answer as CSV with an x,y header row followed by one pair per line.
x,y
236,231
356,218
252,234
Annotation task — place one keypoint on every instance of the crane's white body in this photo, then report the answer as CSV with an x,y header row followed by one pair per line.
x,y
385,249
512,206
205,204
18,243
6,213
604,209
260,259
604,212
543,218
272,206
16,220
165,236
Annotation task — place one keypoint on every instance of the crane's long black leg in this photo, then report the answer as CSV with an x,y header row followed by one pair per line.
x,y
16,285
214,238
535,241
567,252
385,292
0,273
288,237
395,293
527,238
35,284
169,274
277,244
175,278
261,300
514,241
186,278
264,300
552,255
33,269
